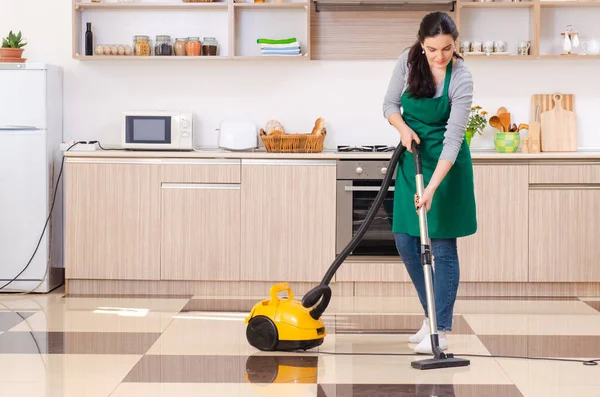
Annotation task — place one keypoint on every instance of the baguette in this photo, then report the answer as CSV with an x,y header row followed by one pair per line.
x,y
319,126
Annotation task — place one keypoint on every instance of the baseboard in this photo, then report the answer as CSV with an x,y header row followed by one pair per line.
x,y
261,289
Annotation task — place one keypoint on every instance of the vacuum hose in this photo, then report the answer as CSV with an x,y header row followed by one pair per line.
x,y
323,291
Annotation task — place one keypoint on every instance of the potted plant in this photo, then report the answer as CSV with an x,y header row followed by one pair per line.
x,y
476,123
12,46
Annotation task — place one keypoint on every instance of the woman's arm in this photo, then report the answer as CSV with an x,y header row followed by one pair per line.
x,y
392,104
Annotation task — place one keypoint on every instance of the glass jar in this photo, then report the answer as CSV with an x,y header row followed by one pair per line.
x,y
141,46
163,46
193,46
179,47
209,46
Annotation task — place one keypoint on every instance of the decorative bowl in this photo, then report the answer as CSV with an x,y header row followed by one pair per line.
x,y
506,142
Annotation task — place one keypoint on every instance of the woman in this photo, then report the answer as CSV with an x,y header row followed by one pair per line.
x,y
434,88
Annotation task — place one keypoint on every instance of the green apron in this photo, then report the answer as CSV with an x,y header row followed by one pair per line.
x,y
452,213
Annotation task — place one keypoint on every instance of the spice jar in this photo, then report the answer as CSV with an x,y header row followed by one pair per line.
x,y
163,46
141,46
193,46
209,46
179,47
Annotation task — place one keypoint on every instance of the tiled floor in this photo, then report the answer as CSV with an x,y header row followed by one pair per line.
x,y
56,346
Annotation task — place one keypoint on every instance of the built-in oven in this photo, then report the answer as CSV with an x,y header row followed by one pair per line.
x,y
358,182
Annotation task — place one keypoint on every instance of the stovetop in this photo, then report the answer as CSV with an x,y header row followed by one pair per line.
x,y
366,148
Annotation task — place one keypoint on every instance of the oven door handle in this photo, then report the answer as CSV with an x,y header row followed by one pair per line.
x,y
365,188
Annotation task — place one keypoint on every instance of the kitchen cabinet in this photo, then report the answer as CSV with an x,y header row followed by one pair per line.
x,y
287,219
200,231
498,252
563,223
112,219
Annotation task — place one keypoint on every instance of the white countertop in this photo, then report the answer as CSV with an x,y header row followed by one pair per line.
x,y
330,154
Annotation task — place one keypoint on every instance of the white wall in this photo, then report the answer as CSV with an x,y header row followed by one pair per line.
x,y
347,94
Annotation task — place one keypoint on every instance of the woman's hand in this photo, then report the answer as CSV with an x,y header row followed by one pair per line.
x,y
407,135
426,200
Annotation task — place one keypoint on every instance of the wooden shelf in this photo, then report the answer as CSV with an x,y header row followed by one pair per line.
x,y
79,6
272,58
497,57
521,4
149,58
100,58
556,4
236,26
284,6
569,57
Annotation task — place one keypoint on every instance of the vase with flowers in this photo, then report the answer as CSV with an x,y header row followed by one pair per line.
x,y
476,123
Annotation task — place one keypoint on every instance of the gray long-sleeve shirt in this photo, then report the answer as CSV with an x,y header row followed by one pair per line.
x,y
460,94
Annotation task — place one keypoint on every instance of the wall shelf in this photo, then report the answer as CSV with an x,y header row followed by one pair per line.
x,y
503,4
275,6
236,27
541,21
383,5
361,34
80,6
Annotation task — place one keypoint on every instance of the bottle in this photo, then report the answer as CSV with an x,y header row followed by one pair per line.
x,y
89,40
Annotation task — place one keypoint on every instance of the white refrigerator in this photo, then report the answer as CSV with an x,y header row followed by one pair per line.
x,y
31,130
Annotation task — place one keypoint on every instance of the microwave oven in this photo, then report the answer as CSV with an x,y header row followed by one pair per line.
x,y
157,130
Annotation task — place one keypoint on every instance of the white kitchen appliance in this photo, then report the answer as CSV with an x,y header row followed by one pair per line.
x,y
157,130
31,107
238,135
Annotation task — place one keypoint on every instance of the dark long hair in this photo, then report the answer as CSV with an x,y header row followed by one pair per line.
x,y
420,79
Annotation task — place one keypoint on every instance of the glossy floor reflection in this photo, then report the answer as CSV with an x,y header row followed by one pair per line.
x,y
128,346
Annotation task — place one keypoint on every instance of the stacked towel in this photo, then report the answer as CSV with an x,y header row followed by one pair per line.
x,y
279,47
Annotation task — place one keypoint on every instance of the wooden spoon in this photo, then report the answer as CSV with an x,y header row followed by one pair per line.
x,y
502,110
496,123
505,120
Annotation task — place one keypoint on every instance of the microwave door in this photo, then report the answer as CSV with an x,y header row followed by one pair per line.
x,y
148,130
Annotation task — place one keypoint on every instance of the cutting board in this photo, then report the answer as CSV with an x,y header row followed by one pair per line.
x,y
558,126
546,103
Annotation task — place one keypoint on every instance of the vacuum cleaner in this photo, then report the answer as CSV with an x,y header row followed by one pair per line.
x,y
285,324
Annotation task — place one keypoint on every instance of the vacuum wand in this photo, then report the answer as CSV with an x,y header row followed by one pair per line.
x,y
426,255
440,359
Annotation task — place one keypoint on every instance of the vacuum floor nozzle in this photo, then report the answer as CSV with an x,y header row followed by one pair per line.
x,y
436,363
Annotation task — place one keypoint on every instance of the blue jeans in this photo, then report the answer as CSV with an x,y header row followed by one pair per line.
x,y
446,275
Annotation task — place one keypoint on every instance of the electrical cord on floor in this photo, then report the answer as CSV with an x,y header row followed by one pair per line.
x,y
584,362
45,226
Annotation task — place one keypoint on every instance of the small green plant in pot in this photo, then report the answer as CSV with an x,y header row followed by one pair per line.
x,y
12,46
476,123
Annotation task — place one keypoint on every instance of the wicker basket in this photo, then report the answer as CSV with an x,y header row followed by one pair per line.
x,y
293,143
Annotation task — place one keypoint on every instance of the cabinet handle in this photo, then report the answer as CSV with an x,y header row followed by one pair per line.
x,y
287,162
91,160
210,186
365,188
566,186
183,161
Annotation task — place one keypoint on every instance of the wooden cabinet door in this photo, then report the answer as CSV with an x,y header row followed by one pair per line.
x,y
498,251
112,219
288,219
200,231
564,233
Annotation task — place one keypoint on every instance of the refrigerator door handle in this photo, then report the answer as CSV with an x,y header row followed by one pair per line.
x,y
17,128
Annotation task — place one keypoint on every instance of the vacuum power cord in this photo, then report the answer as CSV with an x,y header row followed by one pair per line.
x,y
584,362
45,226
